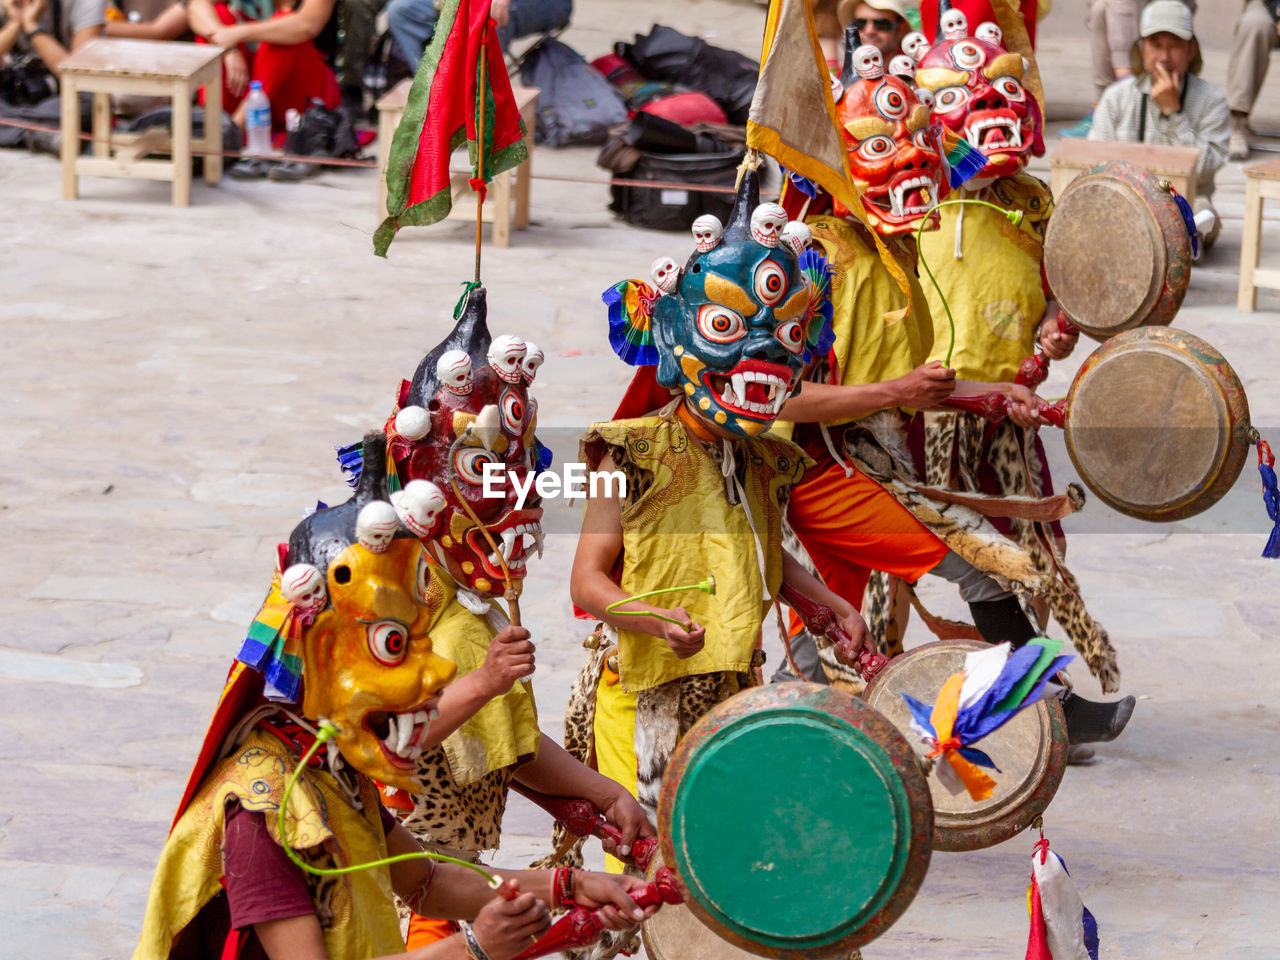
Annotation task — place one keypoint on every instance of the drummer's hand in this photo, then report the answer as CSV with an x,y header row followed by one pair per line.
x,y
1166,89
683,642
609,894
1024,406
624,812
860,638
506,927
1056,344
926,386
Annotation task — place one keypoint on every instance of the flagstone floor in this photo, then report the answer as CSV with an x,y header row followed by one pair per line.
x,y
172,383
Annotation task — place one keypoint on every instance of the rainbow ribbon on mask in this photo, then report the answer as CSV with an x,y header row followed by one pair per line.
x,y
995,684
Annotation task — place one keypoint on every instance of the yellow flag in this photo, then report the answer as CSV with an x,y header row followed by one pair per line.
x,y
792,96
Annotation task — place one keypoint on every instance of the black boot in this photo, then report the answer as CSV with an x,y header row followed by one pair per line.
x,y
1091,721
1003,621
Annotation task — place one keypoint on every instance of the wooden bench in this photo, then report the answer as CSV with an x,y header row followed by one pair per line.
x,y
1262,182
1073,157
502,191
151,68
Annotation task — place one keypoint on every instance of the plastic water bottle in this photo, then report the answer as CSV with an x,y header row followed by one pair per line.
x,y
257,122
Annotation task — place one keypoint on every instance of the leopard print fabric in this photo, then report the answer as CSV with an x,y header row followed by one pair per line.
x,y
464,818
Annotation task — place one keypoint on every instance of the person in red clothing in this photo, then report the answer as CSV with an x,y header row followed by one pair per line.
x,y
287,61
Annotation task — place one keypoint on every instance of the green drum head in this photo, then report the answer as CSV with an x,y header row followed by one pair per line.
x,y
790,826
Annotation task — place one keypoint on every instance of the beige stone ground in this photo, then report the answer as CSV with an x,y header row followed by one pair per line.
x,y
171,385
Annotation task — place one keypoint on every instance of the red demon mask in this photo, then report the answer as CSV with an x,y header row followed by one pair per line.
x,y
978,95
465,423
895,153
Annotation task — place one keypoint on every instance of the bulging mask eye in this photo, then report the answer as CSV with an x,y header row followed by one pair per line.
x,y
422,579
720,324
388,642
966,55
891,102
791,335
949,98
876,148
1010,89
470,462
512,408
770,282
924,140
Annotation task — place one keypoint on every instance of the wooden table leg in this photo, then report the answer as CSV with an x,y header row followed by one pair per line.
x,y
1247,293
181,151
388,120
500,197
213,128
102,124
70,137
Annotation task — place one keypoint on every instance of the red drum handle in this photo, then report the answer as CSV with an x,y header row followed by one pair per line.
x,y
582,926
821,621
1034,370
582,818
994,407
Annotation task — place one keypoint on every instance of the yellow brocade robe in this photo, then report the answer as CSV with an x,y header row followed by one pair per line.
x,y
993,288
321,825
681,528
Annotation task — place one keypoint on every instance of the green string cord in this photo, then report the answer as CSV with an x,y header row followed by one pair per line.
x,y
327,732
1013,216
706,586
468,286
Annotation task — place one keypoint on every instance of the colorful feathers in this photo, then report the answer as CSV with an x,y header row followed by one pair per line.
x,y
630,306
819,334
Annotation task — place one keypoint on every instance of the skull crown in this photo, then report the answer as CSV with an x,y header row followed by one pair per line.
x,y
990,33
903,66
418,505
453,370
797,235
666,274
303,586
413,423
767,221
533,359
707,231
376,525
954,25
915,45
868,62
505,356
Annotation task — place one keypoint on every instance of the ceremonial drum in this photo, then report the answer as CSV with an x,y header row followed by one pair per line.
x,y
798,821
1158,424
1117,253
1030,750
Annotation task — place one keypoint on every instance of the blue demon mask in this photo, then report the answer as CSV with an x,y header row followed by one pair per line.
x,y
734,328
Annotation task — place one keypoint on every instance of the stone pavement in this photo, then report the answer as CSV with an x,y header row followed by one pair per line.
x,y
172,382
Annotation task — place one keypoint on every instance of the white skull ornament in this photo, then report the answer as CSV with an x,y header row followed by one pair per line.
x,y
505,355
925,96
990,33
454,371
707,230
303,586
954,25
767,221
837,88
413,422
666,274
915,45
868,62
797,235
418,505
533,359
376,525
904,67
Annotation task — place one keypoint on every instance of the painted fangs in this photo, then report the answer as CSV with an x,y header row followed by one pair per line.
x,y
407,732
1013,130
897,194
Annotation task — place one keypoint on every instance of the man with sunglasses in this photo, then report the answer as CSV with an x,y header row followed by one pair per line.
x,y
881,23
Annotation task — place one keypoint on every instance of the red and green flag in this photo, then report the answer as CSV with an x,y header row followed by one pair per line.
x,y
461,93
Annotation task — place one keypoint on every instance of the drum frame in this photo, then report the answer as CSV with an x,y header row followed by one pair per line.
x,y
1168,232
842,706
1240,433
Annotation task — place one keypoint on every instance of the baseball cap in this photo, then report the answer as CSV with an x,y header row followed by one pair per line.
x,y
1165,16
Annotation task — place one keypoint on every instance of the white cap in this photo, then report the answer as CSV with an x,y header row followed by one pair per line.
x,y
1166,16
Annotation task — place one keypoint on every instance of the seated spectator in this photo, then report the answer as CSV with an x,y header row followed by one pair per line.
x,y
413,22
1113,26
358,35
881,23
50,29
287,61
1255,37
1165,101
147,19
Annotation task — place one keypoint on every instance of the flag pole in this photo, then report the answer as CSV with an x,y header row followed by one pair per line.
x,y
480,192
